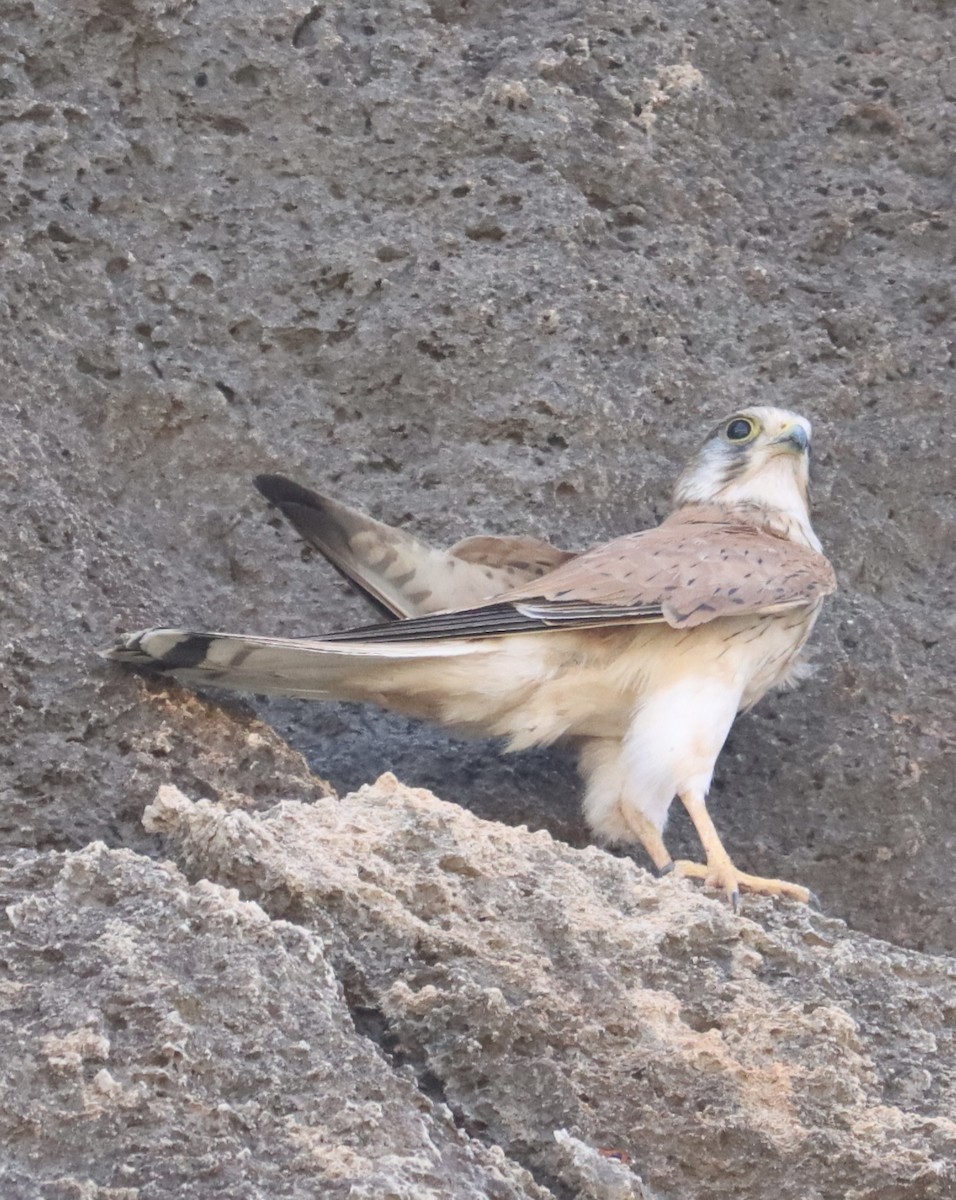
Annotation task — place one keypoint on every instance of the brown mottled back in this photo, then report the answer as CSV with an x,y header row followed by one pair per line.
x,y
703,562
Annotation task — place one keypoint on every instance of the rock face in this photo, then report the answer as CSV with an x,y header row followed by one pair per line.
x,y
201,1050
477,267
555,1004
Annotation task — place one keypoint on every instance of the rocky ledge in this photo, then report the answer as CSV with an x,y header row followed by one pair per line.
x,y
386,996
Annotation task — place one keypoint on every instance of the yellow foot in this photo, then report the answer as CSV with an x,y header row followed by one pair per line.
x,y
726,876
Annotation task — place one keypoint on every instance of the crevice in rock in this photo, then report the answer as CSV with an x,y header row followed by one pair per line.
x,y
372,1023
304,35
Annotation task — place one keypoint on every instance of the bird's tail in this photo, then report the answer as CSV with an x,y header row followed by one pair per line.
x,y
458,683
274,666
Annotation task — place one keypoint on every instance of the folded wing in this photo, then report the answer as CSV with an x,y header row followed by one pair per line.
x,y
686,572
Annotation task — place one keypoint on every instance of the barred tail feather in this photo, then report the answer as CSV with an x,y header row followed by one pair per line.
x,y
300,667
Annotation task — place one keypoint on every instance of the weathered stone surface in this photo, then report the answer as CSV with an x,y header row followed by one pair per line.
x,y
483,266
479,267
549,1022
175,1041
549,988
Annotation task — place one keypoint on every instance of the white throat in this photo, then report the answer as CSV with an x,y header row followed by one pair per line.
x,y
777,488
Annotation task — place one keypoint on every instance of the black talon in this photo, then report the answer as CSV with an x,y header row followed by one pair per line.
x,y
665,870
735,901
813,900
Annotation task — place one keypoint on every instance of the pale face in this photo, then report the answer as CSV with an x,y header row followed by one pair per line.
x,y
759,456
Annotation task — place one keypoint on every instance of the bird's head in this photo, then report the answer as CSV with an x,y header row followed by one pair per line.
x,y
756,456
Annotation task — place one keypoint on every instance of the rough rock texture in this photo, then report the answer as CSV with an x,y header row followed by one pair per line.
x,y
481,266
549,988
556,1003
192,1013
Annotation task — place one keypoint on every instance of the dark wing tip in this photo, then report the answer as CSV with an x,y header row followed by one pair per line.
x,y
324,524
281,491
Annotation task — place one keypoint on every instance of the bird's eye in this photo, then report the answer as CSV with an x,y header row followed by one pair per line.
x,y
739,429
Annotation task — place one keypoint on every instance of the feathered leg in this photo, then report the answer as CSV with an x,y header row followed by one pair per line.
x,y
606,806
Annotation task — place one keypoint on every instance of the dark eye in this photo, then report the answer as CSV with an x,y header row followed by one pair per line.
x,y
739,429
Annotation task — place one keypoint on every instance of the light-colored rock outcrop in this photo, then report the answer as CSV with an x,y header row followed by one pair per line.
x,y
385,995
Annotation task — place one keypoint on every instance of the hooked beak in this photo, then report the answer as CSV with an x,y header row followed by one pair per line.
x,y
795,438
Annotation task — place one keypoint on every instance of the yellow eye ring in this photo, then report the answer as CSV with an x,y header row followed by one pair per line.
x,y
740,429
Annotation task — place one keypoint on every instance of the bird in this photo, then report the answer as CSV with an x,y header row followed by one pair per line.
x,y
640,652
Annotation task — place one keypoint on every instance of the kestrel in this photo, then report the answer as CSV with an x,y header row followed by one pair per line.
x,y
640,651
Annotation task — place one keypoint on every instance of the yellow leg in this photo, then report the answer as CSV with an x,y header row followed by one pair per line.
x,y
720,870
650,838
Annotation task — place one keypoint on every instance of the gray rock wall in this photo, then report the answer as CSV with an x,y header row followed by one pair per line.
x,y
476,267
